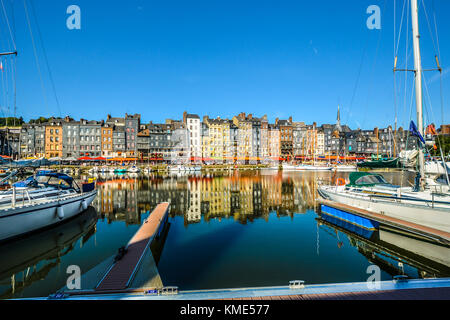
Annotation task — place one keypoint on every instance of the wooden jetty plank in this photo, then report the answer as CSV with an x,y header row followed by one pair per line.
x,y
121,272
387,220
403,294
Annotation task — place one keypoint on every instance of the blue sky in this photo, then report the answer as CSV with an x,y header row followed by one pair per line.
x,y
280,58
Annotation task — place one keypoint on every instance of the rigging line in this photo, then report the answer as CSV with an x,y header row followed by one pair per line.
x,y
13,80
429,26
357,80
9,27
406,55
435,30
434,120
373,68
45,56
35,55
6,92
411,102
395,106
399,31
3,94
442,98
439,55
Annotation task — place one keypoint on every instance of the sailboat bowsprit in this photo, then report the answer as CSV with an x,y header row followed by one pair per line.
x,y
41,201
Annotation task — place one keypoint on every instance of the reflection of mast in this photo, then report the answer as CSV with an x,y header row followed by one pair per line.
x,y
375,249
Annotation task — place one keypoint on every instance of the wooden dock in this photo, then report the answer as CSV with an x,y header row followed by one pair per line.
x,y
123,271
403,289
438,235
404,294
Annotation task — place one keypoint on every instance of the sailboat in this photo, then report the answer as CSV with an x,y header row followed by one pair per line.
x,y
307,167
43,200
427,203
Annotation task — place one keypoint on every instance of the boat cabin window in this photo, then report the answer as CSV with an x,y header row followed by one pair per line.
x,y
372,179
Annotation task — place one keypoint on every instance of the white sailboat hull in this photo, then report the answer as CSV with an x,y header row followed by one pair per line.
x,y
304,167
345,168
411,211
27,218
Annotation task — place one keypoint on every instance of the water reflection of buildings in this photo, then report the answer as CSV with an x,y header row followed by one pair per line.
x,y
242,197
122,199
117,200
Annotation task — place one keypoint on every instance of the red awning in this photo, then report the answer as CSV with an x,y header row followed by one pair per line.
x,y
85,159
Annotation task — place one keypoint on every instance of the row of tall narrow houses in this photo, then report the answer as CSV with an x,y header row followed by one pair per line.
x,y
243,138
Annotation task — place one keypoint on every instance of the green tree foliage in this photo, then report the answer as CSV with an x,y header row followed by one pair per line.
x,y
11,121
39,120
443,141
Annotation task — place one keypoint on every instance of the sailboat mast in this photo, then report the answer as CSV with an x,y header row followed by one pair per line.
x,y
418,78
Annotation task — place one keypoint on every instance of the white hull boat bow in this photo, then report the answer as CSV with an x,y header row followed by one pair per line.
x,y
429,208
24,210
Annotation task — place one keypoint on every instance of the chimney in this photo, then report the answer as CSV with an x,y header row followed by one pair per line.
x,y
184,116
276,121
290,119
250,116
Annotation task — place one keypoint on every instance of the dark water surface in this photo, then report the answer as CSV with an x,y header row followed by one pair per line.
x,y
243,229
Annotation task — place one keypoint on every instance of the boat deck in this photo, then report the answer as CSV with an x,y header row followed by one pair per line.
x,y
435,234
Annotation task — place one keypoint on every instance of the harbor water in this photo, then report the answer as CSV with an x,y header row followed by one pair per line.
x,y
226,230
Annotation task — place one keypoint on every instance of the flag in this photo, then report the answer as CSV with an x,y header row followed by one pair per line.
x,y
431,130
415,132
1,65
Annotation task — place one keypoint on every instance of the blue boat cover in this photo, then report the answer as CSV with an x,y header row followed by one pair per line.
x,y
58,175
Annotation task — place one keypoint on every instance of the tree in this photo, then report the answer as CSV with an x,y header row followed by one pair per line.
x,y
444,141
11,121
39,120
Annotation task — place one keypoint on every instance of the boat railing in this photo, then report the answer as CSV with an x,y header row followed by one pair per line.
x,y
438,188
24,193
430,202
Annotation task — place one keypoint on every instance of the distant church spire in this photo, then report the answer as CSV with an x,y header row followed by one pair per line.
x,y
338,120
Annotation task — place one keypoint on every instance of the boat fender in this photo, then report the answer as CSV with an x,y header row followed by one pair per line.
x,y
60,212
84,205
